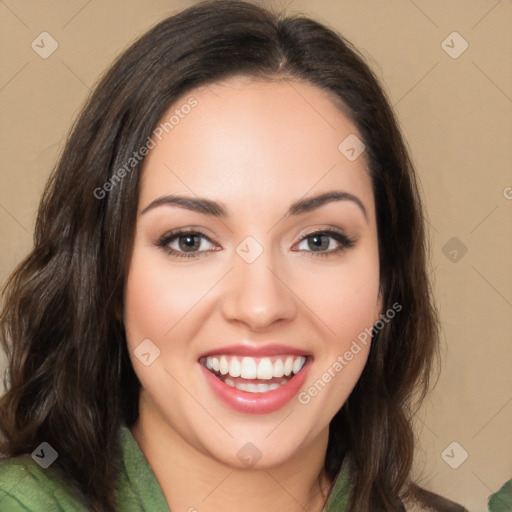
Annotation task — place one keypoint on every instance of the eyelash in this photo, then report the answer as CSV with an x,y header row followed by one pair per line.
x,y
344,241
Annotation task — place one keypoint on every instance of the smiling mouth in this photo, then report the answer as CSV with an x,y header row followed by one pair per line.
x,y
254,374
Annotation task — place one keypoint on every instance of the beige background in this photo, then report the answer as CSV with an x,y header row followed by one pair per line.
x,y
456,116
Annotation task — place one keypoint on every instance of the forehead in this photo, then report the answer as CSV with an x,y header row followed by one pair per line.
x,y
251,138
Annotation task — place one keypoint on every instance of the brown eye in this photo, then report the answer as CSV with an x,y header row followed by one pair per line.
x,y
185,244
188,242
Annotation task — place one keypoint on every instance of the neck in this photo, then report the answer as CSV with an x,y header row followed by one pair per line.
x,y
193,481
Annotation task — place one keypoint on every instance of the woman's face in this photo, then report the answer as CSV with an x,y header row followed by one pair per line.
x,y
244,330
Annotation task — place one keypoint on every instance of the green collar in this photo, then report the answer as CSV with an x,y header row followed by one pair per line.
x,y
138,488
339,498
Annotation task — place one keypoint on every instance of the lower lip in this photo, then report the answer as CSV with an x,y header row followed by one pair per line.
x,y
257,403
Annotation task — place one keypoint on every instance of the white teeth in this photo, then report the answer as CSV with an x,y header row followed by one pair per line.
x,y
265,369
278,368
254,368
248,370
223,365
234,367
298,364
253,388
288,366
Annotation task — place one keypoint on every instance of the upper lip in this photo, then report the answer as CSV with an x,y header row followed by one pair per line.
x,y
250,350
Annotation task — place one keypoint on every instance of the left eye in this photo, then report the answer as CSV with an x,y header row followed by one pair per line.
x,y
185,244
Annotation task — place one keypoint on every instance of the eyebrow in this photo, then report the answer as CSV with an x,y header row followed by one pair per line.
x,y
215,209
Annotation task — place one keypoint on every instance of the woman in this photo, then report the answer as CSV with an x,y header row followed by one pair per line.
x,y
227,302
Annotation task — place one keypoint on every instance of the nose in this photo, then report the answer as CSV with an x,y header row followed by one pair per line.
x,y
258,295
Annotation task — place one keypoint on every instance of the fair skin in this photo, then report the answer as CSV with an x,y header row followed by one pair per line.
x,y
256,148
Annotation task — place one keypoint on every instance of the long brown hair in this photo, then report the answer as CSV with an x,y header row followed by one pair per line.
x,y
70,381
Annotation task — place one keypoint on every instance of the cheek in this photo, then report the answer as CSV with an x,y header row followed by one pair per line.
x,y
346,302
345,298
155,302
145,304
158,296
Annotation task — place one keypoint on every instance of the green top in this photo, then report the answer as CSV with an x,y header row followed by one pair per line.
x,y
26,487
501,501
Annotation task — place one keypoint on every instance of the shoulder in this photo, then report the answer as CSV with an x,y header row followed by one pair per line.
x,y
25,486
501,501
421,500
